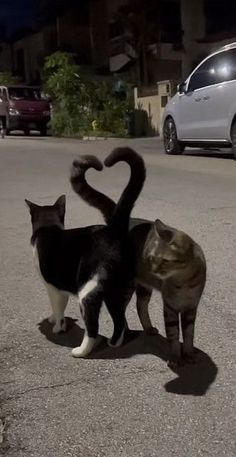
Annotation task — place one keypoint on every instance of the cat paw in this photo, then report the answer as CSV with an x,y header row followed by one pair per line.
x,y
117,343
79,352
151,331
51,319
85,348
59,326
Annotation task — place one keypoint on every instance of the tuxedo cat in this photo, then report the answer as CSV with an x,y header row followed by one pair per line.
x,y
167,260
95,263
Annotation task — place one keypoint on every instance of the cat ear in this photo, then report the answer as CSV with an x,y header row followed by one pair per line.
x,y
32,206
61,201
183,243
61,205
164,231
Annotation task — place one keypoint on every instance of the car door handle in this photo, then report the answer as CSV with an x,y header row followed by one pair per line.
x,y
197,99
206,97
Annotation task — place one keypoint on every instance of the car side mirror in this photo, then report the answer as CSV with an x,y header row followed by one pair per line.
x,y
182,88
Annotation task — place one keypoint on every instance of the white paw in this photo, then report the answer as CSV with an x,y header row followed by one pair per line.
x,y
52,319
118,342
79,352
59,327
85,348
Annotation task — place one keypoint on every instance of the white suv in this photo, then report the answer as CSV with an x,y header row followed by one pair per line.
x,y
203,112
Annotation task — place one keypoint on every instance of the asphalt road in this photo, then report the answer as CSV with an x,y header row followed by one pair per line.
x,y
119,402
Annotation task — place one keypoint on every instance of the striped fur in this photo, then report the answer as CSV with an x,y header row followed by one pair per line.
x,y
168,260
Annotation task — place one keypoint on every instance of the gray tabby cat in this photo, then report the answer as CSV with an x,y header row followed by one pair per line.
x,y
167,260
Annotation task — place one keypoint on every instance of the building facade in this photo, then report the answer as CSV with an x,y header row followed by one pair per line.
x,y
98,38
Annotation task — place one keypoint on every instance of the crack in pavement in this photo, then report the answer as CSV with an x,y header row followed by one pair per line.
x,y
52,386
73,381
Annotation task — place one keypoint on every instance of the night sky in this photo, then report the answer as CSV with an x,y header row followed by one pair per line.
x,y
18,14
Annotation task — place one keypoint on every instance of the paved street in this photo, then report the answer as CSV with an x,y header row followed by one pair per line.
x,y
120,402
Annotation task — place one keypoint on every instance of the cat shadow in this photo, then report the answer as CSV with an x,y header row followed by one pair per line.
x,y
191,379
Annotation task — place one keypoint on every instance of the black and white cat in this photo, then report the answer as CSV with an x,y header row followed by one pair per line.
x,y
94,263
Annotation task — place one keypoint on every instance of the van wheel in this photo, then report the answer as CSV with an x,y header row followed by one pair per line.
x,y
171,143
233,140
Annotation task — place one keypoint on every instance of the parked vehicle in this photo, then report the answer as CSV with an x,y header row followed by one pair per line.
x,y
203,112
27,108
3,117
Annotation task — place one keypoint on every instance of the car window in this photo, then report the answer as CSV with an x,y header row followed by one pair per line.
x,y
215,70
24,93
4,95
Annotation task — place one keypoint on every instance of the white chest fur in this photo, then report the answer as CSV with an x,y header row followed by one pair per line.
x,y
36,259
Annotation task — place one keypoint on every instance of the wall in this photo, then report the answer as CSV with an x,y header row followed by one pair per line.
x,y
152,103
99,33
74,37
32,47
193,25
5,57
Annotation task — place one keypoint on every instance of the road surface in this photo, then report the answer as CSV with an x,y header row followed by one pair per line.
x,y
120,402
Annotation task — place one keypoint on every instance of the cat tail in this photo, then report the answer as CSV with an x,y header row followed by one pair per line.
x,y
114,215
119,220
85,191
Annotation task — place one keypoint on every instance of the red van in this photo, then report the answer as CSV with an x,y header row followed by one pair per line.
x,y
28,108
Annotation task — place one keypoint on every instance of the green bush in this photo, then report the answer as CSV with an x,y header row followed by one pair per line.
x,y
7,78
78,100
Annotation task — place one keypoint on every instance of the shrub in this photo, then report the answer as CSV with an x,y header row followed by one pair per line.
x,y
79,100
7,78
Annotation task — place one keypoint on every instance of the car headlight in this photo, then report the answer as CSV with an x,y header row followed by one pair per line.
x,y
13,112
46,113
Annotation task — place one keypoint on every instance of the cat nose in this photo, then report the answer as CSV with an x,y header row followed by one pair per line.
x,y
151,259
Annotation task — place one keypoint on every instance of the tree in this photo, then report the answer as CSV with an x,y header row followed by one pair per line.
x,y
51,9
48,10
6,78
140,20
78,100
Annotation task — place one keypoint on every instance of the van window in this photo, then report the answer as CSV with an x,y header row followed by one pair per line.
x,y
217,69
4,95
24,93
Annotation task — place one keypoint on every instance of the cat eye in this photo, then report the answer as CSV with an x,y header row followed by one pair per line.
x,y
172,260
166,260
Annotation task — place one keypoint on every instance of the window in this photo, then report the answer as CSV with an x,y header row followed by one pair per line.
x,y
24,93
215,70
4,95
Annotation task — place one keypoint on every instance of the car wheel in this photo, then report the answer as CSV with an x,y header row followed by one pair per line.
x,y
171,143
233,140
